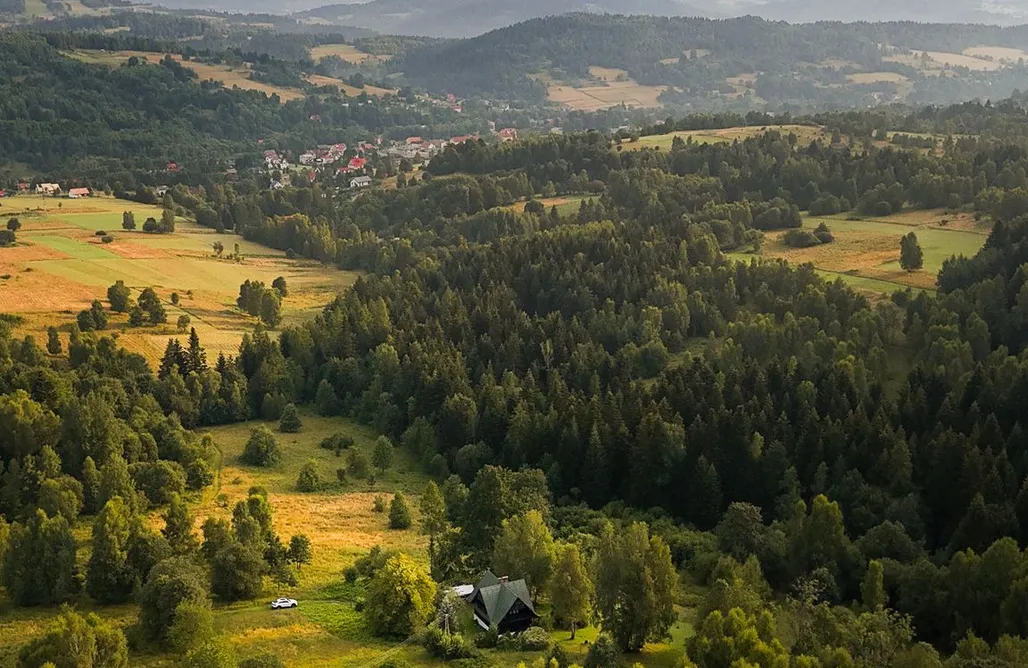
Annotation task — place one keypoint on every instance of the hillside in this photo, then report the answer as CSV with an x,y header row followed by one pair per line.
x,y
462,18
466,18
746,62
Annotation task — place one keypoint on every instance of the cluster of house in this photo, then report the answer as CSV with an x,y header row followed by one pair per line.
x,y
352,163
47,190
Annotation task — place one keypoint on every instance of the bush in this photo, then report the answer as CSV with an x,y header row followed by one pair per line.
x,y
336,443
265,660
883,208
534,639
379,504
603,653
107,239
290,422
399,513
262,448
309,480
823,234
487,639
800,239
100,233
446,646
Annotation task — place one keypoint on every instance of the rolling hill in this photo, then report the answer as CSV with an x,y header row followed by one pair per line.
x,y
466,18
746,62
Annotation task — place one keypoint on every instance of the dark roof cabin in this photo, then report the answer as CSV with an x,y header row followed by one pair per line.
x,y
502,604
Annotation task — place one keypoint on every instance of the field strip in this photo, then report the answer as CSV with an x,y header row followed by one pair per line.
x,y
918,226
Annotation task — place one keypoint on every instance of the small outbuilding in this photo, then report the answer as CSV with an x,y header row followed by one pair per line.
x,y
501,604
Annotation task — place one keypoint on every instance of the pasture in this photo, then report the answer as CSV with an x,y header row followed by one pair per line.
x,y
347,52
865,252
804,133
60,265
608,88
565,205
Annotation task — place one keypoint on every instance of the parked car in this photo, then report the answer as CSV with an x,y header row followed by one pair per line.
x,y
280,603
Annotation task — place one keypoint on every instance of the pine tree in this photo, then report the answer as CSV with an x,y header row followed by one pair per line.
x,y
53,341
196,354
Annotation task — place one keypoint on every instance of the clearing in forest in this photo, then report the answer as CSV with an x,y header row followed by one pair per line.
x,y
230,76
865,251
804,133
60,265
615,87
347,52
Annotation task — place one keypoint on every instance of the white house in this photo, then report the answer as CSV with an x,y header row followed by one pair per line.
x,y
360,182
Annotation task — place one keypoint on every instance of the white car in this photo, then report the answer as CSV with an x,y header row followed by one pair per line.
x,y
281,603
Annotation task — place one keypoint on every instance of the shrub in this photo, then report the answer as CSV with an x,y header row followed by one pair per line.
x,y
800,239
399,513
265,660
534,639
823,234
603,653
357,464
380,504
107,239
487,639
290,422
446,646
309,480
262,448
100,233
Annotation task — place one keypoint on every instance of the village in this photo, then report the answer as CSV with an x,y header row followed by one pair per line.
x,y
356,167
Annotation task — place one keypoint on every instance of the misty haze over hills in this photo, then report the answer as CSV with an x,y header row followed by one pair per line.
x,y
464,18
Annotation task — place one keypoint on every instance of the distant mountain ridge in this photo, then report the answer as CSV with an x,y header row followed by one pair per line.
x,y
468,18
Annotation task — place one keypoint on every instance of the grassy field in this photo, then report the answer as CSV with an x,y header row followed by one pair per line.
x,y
565,205
326,630
60,266
865,252
805,133
227,75
611,88
347,52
